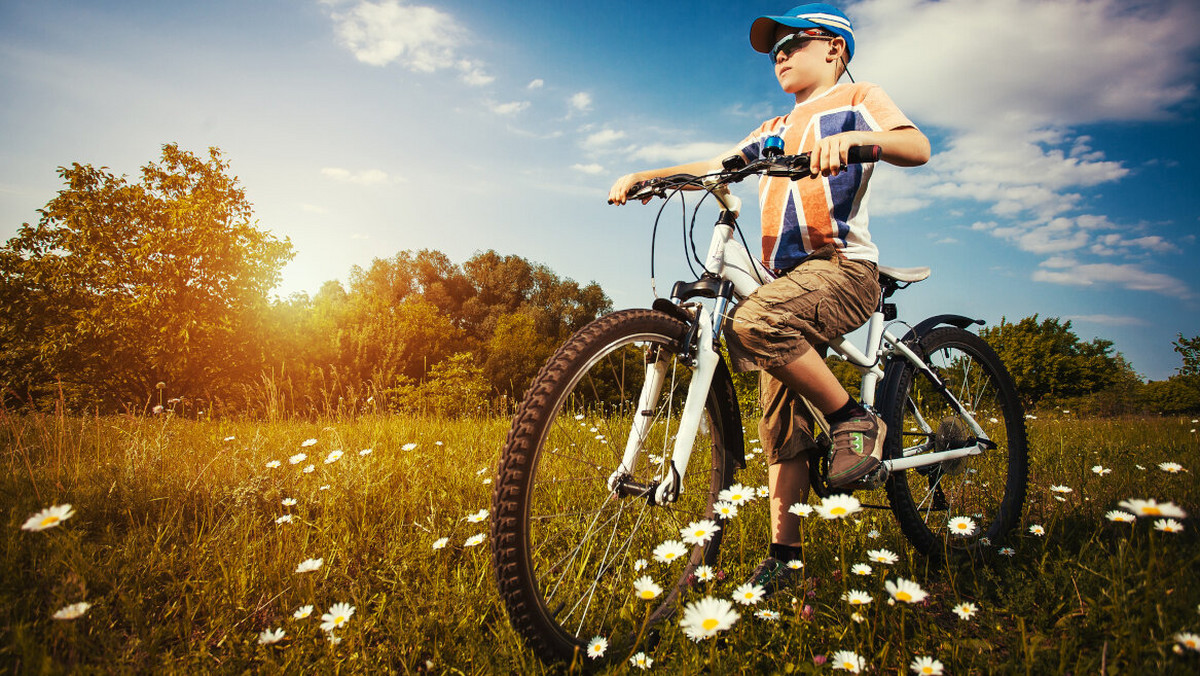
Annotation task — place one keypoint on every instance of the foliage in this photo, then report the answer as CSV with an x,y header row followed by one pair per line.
x,y
1189,350
454,388
122,285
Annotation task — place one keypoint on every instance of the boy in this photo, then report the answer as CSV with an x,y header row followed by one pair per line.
x,y
815,238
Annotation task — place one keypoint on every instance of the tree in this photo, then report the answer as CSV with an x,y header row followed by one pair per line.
x,y
123,285
1189,350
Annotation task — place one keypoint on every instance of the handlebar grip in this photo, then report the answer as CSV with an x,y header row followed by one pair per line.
x,y
863,154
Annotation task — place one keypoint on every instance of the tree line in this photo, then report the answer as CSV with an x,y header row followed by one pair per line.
x,y
153,294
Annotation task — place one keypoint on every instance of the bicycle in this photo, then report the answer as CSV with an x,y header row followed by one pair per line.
x,y
601,464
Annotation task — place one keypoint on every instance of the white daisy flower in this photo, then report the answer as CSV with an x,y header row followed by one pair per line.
x,y
308,442
669,551
725,510
286,518
477,517
856,598
749,594
1062,489
641,661
845,660
962,526
926,666
48,517
874,534
298,458
646,589
441,543
333,457
860,569
705,573
1007,551
474,540
72,612
229,438
965,610
882,556
309,565
302,612
1119,516
338,615
1168,526
768,615
736,494
763,492
1171,467
1037,530
801,509
270,636
596,647
272,464
1188,640
408,447
905,590
699,532
366,451
838,506
640,564
288,502
706,617
310,469
1101,470
795,564
1152,508
324,487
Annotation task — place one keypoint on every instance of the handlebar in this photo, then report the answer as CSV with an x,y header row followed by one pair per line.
x,y
736,170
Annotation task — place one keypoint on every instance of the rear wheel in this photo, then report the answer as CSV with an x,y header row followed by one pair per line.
x,y
967,502
566,548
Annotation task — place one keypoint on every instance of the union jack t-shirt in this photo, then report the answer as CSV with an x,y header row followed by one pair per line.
x,y
799,217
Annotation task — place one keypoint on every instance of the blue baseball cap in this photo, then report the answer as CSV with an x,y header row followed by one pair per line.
x,y
812,15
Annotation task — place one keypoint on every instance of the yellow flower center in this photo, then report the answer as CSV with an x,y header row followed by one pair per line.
x,y
49,521
903,596
339,619
647,594
927,670
1151,510
848,665
709,624
838,511
698,534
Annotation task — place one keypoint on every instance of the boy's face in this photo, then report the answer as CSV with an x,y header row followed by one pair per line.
x,y
807,65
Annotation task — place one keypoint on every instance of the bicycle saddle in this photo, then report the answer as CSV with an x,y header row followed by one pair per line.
x,y
904,274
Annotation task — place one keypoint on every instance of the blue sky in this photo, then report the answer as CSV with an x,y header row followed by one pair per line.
x,y
1063,181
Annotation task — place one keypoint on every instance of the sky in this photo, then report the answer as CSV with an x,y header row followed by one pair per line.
x,y
1063,183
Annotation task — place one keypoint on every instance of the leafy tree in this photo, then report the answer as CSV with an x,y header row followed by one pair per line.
x,y
1189,349
122,285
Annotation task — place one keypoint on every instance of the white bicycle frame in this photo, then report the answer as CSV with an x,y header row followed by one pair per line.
x,y
729,260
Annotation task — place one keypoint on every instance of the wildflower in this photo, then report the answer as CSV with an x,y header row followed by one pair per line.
x,y
309,565
72,612
639,565
474,540
310,469
641,661
882,556
1037,530
801,509
229,438
857,617
1101,470
338,615
1168,526
860,569
477,516
302,612
324,487
763,492
845,660
288,502
795,564
905,590
1118,515
736,494
856,598
596,647
705,573
768,615
819,660
308,442
669,551
1007,551
1171,467
965,610
334,640
286,518
269,636
440,543
749,594
699,532
926,666
838,506
646,588
704,618
1188,640
962,526
874,534
725,510
1152,508
272,464
298,458
48,518
408,447
1062,489
366,451
333,457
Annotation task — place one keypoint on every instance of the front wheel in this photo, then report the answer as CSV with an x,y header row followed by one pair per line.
x,y
967,502
566,549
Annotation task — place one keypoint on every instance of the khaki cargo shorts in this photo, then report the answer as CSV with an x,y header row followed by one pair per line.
x,y
823,298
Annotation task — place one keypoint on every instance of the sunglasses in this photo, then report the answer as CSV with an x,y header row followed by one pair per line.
x,y
790,43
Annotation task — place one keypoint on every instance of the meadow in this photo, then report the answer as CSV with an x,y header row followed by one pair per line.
x,y
194,542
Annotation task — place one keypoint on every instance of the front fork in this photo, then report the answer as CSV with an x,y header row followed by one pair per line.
x,y
705,363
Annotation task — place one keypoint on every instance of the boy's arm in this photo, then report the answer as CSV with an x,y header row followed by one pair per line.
x,y
903,146
619,192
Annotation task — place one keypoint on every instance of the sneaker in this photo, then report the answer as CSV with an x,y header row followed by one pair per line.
x,y
775,576
857,449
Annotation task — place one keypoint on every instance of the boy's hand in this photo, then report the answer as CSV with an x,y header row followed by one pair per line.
x,y
831,153
619,192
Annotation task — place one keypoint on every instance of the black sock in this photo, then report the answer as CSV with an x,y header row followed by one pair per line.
x,y
850,410
785,553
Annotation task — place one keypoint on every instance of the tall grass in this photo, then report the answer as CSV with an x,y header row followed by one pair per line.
x,y
176,546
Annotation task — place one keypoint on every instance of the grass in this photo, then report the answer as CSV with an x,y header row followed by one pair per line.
x,y
175,544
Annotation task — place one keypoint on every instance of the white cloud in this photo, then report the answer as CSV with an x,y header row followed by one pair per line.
x,y
1061,270
601,140
510,108
1107,320
580,102
591,169
363,177
536,84
422,39
663,153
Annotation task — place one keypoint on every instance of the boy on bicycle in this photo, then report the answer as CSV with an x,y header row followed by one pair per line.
x,y
815,239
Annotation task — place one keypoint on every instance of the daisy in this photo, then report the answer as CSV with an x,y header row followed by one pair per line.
x,y
669,551
1062,489
596,647
882,556
288,502
801,509
308,442
725,510
763,492
1171,467
1037,530
905,590
874,534
736,494
231,438
641,661
270,636
366,451
1152,508
48,518
704,618
860,569
640,564
477,516
749,594
838,506
298,458
1101,470
768,615
286,518
845,660
1188,640
310,469
1118,515
408,447
699,532
71,612
440,543
309,565
962,526
338,615
705,573
1168,526
646,589
795,564
965,610
857,617
1007,551
926,666
856,598
324,487
334,640
272,464
333,457
474,540
302,612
